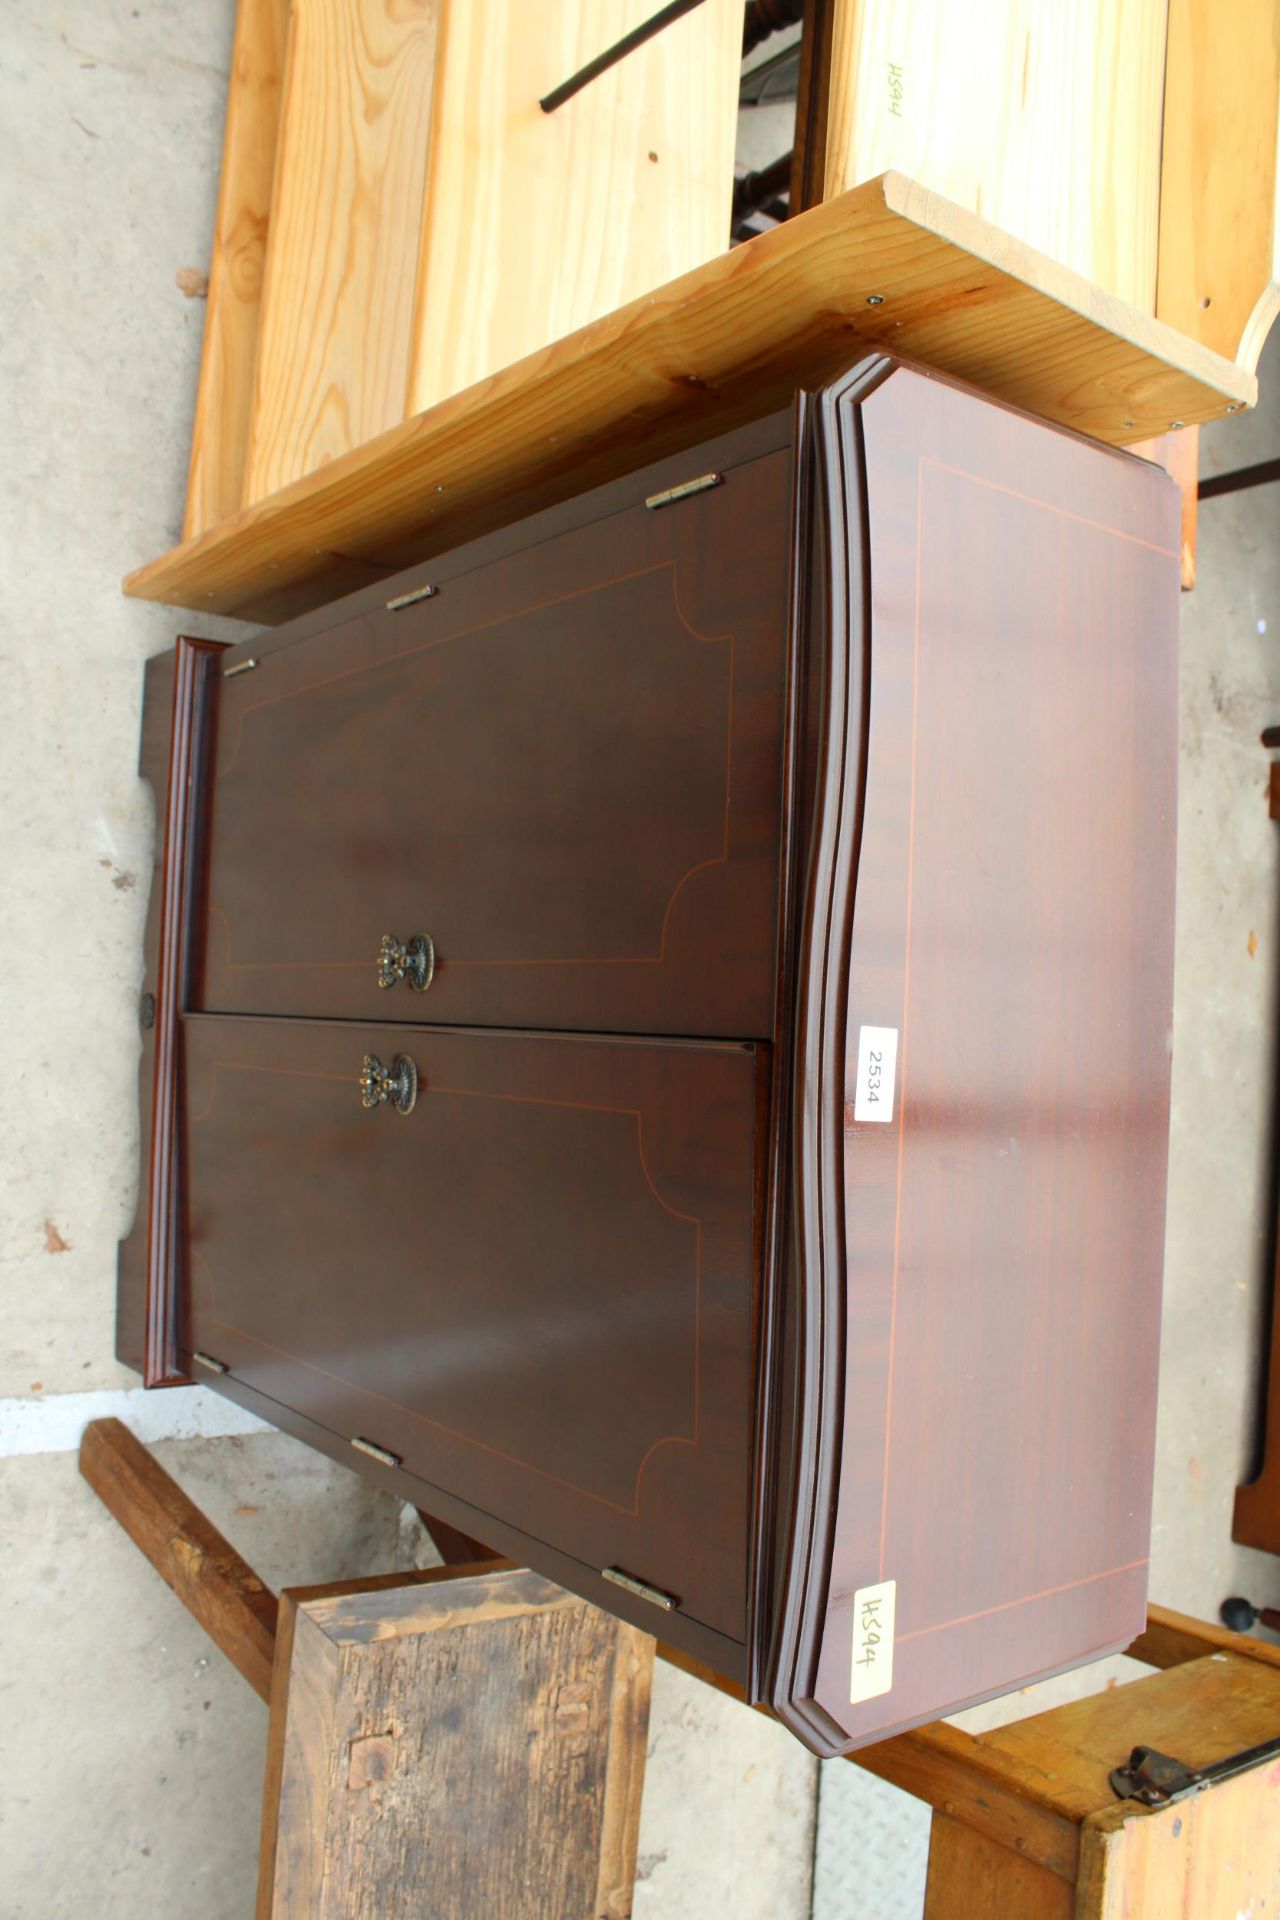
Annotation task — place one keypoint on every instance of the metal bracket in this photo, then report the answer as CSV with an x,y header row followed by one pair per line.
x,y
1153,1779
641,1589
669,495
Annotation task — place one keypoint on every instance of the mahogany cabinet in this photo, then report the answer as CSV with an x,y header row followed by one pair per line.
x,y
656,1042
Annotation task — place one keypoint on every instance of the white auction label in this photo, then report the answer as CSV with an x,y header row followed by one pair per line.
x,y
872,1670
877,1066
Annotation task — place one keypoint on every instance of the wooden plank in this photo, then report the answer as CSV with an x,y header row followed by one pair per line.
x,y
300,1770
986,1789
727,343
1202,1711
1179,455
215,476
277,1739
537,223
1172,1638
1219,277
813,106
971,1875
186,1550
1214,1854
459,1744
337,301
1064,152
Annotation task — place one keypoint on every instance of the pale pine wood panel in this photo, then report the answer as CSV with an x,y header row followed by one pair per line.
x,y
537,224
721,345
1202,1711
215,476
355,131
1043,116
1216,1854
1219,241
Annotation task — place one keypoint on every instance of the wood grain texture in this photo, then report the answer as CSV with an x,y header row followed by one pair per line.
x,y
482,1753
1216,1854
215,477
1219,278
187,1551
1019,1193
536,223
556,1291
1201,1711
1043,116
629,667
813,104
1170,1638
995,1794
334,334
727,343
971,1875
1179,455
1035,1794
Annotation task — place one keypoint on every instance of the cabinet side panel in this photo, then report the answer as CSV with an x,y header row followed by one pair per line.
x,y
1006,1071
150,1260
153,768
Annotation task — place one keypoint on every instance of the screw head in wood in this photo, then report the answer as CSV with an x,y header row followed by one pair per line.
x,y
875,299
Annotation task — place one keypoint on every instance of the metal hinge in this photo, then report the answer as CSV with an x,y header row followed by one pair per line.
x,y
1154,1780
641,1589
670,495
375,1452
241,666
210,1365
411,599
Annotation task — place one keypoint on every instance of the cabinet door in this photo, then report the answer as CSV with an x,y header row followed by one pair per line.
x,y
563,768
535,1288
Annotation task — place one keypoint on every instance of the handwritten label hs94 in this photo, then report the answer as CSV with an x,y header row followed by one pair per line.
x,y
872,1670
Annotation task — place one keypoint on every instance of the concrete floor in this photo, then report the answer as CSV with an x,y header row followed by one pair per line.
x,y
130,1755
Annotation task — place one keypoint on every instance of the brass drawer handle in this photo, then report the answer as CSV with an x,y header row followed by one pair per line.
x,y
415,961
396,1084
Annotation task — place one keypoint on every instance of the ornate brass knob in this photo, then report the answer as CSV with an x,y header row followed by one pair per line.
x,y
396,1084
415,961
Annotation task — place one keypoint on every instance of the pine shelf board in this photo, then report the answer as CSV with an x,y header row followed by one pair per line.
x,y
704,353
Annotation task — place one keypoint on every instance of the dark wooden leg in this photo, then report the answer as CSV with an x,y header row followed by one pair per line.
x,y
223,1592
809,155
455,1549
